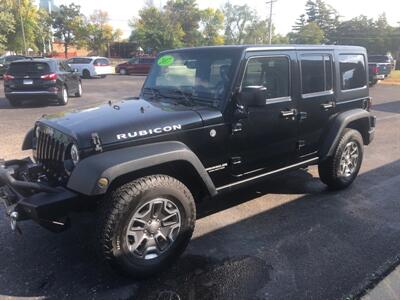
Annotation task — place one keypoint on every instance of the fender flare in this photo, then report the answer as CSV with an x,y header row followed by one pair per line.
x,y
115,163
27,144
338,124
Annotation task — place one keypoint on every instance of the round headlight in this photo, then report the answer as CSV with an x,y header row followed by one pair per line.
x,y
74,154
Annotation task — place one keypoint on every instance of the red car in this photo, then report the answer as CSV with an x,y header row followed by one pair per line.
x,y
136,65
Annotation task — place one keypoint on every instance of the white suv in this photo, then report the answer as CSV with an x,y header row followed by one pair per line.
x,y
91,66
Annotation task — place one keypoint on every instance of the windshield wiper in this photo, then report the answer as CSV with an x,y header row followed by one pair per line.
x,y
184,96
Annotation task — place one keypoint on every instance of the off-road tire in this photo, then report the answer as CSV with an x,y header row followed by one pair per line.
x,y
328,169
116,211
86,74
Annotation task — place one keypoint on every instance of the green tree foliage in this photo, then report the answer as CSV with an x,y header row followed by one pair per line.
x,y
308,34
153,30
28,12
377,36
317,13
237,20
212,22
99,33
68,24
185,14
7,24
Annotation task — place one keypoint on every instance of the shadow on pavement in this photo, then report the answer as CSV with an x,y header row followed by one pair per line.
x,y
321,245
390,107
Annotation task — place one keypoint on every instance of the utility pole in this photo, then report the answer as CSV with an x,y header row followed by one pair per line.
x,y
271,3
22,26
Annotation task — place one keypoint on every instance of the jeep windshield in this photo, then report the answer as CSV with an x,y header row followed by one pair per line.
x,y
199,76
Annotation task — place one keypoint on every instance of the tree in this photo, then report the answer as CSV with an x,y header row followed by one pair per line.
x,y
257,32
185,14
212,22
43,31
68,25
153,30
309,34
7,24
237,18
28,12
99,33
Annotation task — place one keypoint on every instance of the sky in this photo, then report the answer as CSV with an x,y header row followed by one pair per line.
x,y
285,12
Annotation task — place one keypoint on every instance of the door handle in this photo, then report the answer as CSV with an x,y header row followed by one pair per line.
x,y
288,113
328,105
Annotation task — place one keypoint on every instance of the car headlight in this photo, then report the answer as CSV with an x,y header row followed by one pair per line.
x,y
74,154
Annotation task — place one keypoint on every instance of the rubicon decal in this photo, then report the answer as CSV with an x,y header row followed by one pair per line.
x,y
144,132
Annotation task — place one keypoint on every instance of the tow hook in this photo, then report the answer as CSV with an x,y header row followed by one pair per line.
x,y
13,222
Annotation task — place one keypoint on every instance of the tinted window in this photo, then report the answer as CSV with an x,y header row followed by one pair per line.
x,y
133,61
101,62
80,60
28,68
352,71
271,72
146,60
316,73
378,58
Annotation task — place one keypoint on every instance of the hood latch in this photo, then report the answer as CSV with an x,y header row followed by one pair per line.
x,y
96,142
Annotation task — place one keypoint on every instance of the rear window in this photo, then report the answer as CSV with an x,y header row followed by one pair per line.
x,y
352,71
378,58
101,62
27,68
316,73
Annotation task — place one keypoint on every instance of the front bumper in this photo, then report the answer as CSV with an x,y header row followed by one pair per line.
x,y
33,200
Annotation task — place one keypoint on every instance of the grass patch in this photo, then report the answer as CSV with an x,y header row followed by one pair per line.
x,y
394,76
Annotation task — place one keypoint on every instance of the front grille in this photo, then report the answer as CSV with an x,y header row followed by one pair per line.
x,y
51,147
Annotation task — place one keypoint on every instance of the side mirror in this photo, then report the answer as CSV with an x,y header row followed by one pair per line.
x,y
254,95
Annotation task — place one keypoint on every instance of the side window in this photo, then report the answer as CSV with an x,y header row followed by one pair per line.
x,y
352,71
270,72
316,73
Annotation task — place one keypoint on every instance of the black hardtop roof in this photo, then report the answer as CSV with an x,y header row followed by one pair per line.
x,y
40,60
243,48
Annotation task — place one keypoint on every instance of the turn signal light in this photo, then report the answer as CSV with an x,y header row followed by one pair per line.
x,y
51,76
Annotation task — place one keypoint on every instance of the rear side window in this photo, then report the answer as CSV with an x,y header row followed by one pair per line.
x,y
101,62
316,73
28,68
270,72
352,71
80,60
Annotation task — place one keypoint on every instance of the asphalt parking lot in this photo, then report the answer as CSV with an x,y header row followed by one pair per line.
x,y
286,238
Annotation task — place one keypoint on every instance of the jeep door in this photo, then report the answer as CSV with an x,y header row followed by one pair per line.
x,y
316,102
265,138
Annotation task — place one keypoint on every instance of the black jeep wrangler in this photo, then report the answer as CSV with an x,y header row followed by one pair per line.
x,y
208,120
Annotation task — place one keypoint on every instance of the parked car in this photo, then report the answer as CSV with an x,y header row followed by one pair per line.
x,y
384,62
38,79
208,120
6,60
136,65
91,66
375,73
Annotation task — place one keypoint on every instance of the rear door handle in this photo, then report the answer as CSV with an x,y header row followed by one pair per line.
x,y
288,113
328,105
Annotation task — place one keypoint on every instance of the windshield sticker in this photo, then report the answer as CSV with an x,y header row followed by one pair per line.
x,y
165,60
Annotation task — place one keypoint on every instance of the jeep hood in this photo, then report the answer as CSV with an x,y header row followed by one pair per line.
x,y
129,120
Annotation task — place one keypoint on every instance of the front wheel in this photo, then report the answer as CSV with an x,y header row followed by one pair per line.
x,y
340,170
63,97
146,224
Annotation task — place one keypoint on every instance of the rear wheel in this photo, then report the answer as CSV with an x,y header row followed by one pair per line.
x,y
79,91
63,96
86,74
340,170
146,224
